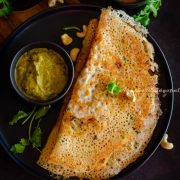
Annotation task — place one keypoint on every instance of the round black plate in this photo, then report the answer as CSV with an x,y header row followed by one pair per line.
x,y
47,26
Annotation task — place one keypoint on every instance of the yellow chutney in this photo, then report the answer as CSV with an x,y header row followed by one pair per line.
x,y
41,74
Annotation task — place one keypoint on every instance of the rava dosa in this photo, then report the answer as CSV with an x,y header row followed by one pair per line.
x,y
98,134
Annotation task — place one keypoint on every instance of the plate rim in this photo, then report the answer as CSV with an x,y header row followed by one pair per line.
x,y
95,8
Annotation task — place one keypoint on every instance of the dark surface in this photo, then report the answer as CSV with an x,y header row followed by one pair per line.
x,y
27,34
130,5
164,164
19,5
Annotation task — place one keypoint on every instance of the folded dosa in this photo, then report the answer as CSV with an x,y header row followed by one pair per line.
x,y
97,134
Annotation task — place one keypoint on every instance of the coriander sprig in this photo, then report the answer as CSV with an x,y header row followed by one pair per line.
x,y
5,8
151,8
35,139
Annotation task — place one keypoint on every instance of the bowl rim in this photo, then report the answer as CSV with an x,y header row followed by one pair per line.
x,y
49,45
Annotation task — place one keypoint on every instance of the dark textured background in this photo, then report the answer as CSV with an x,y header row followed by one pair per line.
x,y
163,165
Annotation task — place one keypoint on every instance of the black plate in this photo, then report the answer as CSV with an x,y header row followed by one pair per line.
x,y
47,26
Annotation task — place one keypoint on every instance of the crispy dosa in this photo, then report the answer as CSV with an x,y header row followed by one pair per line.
x,y
98,134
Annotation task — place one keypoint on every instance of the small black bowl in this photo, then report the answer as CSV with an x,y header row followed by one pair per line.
x,y
130,5
48,45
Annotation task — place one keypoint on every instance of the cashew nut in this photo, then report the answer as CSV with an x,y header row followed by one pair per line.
x,y
131,95
165,144
52,3
74,53
66,39
83,33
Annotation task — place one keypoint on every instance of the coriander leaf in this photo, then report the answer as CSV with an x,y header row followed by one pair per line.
x,y
144,20
24,141
42,111
20,147
151,8
36,137
17,117
5,8
71,27
113,88
17,148
116,89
